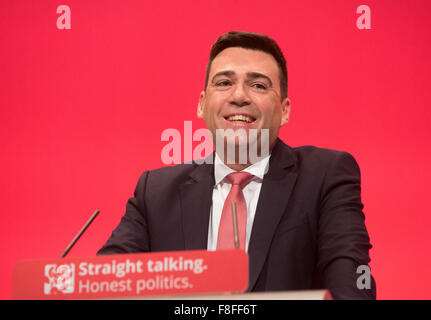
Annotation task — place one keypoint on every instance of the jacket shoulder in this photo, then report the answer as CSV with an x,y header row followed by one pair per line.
x,y
313,151
309,152
323,158
170,174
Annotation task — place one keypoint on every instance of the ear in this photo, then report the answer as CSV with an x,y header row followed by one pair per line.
x,y
201,105
285,111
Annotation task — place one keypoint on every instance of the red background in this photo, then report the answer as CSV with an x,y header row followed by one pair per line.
x,y
82,112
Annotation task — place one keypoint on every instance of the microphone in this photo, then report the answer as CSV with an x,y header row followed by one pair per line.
x,y
235,226
80,233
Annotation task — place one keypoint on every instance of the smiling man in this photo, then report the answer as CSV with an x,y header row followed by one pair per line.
x,y
297,211
245,89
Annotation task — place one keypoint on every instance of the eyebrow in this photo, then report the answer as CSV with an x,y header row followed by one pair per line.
x,y
256,75
251,75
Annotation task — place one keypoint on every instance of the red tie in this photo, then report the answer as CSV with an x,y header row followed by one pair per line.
x,y
226,233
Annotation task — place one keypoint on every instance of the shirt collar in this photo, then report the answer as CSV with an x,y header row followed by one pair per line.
x,y
257,169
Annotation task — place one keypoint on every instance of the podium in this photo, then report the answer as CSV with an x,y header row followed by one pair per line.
x,y
268,295
175,275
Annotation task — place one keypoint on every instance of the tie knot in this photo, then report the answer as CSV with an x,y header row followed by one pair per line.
x,y
240,178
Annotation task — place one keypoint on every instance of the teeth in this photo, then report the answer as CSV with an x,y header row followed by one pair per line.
x,y
239,117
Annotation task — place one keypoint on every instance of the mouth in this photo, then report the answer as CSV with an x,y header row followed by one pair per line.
x,y
240,118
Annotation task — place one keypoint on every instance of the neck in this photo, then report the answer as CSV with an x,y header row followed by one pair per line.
x,y
237,165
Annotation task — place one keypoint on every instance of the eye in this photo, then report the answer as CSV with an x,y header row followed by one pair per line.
x,y
223,83
258,85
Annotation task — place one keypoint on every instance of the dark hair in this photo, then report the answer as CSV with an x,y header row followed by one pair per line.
x,y
253,41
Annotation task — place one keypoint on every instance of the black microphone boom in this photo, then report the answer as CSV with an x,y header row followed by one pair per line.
x,y
80,233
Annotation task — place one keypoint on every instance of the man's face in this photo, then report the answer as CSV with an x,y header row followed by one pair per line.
x,y
244,92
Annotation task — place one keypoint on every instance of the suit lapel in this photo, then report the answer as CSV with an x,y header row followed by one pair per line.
x,y
196,199
276,189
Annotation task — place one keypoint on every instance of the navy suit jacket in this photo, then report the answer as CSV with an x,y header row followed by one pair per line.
x,y
308,233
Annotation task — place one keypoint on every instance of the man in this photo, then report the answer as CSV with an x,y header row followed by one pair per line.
x,y
299,209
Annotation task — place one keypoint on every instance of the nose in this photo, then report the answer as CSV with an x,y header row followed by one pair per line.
x,y
240,96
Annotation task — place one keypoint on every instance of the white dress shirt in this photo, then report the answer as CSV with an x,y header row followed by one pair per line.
x,y
221,190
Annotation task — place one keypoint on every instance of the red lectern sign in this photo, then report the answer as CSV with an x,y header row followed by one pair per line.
x,y
130,275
